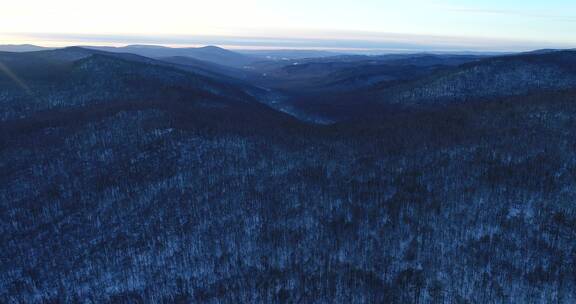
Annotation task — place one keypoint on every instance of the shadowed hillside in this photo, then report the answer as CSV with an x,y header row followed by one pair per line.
x,y
484,79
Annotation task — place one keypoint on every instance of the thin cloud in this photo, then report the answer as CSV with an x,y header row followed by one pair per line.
x,y
520,13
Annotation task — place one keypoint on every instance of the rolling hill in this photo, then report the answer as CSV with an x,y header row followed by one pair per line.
x,y
74,77
21,48
478,80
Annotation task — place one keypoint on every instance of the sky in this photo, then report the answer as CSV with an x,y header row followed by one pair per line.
x,y
440,25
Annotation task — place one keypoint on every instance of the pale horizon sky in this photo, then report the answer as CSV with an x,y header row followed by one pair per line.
x,y
441,25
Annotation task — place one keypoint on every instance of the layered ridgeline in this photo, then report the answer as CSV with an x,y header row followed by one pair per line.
x,y
210,54
443,83
127,179
345,72
36,83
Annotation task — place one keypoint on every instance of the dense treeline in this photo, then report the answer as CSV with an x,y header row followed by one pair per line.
x,y
470,203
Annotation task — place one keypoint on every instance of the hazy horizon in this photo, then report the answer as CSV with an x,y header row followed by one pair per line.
x,y
366,46
366,25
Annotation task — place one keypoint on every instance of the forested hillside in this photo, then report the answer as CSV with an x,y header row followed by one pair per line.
x,y
132,182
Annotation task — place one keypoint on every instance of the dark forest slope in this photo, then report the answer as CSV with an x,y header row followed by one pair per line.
x,y
137,183
480,80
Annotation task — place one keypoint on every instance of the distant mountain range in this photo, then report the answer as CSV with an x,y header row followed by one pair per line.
x,y
209,53
21,48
